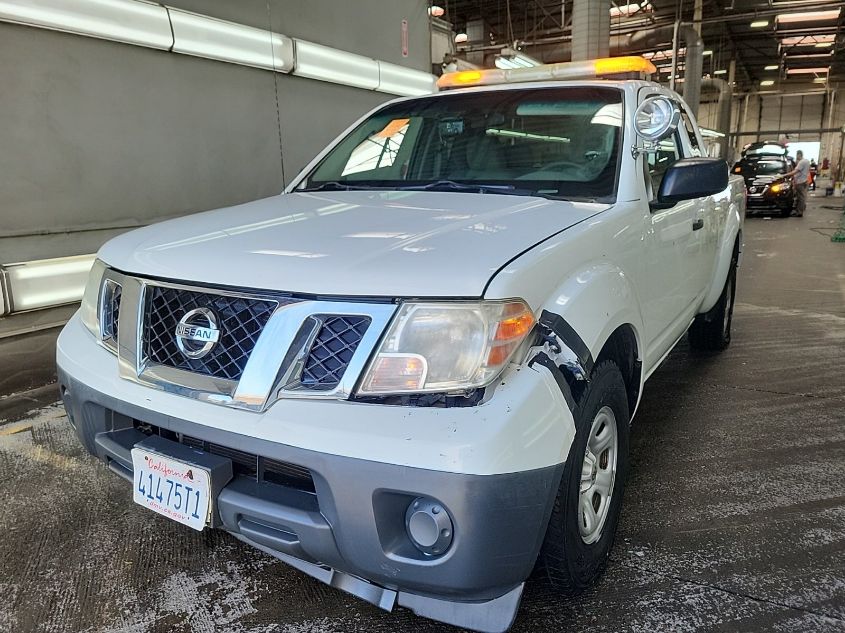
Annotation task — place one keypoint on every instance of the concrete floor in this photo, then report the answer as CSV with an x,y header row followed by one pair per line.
x,y
734,516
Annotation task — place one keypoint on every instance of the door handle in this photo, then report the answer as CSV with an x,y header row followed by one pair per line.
x,y
698,223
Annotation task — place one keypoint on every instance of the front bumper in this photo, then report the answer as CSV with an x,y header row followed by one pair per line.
x,y
352,527
782,201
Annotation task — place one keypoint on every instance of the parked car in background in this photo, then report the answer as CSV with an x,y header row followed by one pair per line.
x,y
762,167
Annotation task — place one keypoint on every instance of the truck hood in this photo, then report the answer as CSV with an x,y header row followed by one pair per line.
x,y
349,243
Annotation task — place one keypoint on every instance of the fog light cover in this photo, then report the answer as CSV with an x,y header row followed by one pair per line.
x,y
429,526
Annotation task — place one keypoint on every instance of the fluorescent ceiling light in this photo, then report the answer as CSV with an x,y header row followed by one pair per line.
x,y
202,36
460,38
820,80
771,67
759,24
819,56
625,10
808,16
138,23
510,58
707,53
808,40
720,72
824,44
324,63
806,71
767,82
436,11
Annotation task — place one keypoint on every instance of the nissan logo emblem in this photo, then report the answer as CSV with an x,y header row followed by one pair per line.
x,y
197,333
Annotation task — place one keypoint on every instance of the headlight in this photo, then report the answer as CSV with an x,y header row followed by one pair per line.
x,y
91,299
447,346
779,186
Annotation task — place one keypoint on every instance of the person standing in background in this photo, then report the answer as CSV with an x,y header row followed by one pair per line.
x,y
800,179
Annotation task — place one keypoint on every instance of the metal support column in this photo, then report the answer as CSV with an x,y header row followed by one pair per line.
x,y
590,29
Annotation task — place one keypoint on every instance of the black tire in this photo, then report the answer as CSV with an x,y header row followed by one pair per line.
x,y
712,331
566,561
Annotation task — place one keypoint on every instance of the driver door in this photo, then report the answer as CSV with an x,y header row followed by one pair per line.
x,y
673,250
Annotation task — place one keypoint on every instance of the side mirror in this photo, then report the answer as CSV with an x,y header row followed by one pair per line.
x,y
691,178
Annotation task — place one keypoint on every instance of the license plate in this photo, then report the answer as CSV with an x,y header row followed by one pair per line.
x,y
172,488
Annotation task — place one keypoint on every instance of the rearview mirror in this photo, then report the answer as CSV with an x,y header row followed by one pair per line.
x,y
692,178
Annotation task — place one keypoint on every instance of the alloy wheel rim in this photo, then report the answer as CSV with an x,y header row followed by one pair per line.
x,y
598,475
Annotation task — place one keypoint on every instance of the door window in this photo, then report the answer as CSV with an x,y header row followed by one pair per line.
x,y
695,148
668,152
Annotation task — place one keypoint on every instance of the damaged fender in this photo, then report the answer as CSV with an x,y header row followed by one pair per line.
x,y
561,350
573,329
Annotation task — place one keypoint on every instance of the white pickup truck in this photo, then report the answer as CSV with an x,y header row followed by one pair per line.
x,y
412,374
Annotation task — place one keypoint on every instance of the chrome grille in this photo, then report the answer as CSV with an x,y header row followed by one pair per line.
x,y
240,321
110,312
332,350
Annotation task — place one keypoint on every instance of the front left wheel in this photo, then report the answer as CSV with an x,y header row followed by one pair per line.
x,y
586,511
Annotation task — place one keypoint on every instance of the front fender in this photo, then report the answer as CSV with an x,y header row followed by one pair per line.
x,y
732,230
595,301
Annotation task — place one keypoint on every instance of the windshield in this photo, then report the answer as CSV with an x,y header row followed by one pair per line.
x,y
551,142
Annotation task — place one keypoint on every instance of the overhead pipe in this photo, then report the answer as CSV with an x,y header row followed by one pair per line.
x,y
723,116
557,35
693,60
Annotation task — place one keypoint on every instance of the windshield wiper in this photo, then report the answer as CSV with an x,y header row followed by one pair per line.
x,y
452,185
334,185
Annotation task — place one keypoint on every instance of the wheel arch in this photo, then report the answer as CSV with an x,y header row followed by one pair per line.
x,y
623,348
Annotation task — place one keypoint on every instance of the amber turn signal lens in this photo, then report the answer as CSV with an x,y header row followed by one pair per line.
x,y
398,372
517,321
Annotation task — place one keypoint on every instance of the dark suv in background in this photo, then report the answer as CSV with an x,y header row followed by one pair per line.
x,y
763,166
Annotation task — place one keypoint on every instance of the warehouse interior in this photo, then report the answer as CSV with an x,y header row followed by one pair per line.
x,y
120,114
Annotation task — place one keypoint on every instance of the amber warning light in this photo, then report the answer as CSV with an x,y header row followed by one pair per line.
x,y
622,67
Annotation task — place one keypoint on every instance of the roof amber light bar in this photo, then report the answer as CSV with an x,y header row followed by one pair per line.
x,y
548,72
